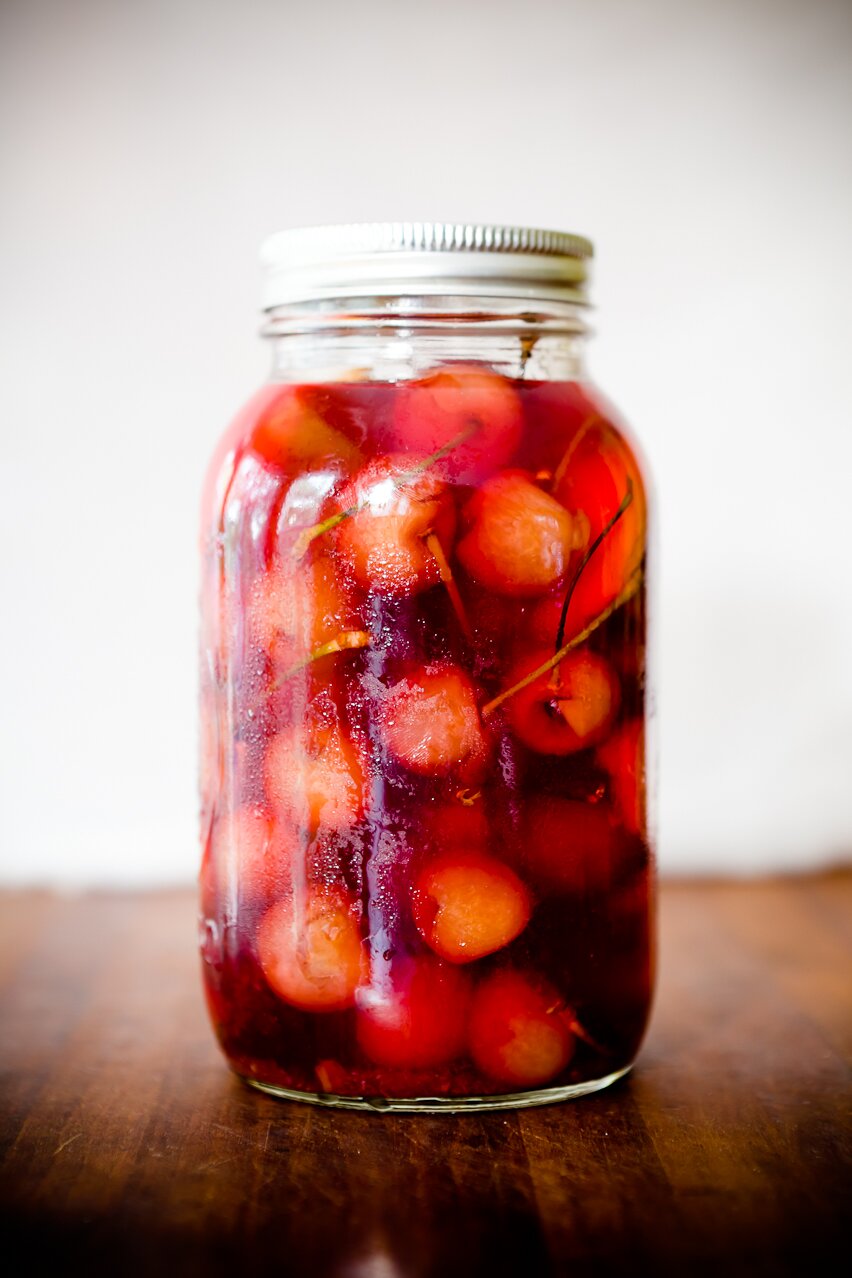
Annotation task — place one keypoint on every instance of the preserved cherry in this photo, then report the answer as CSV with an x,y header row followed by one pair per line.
x,y
467,905
388,513
430,723
520,538
564,709
426,879
467,414
310,950
519,1029
417,1018
314,779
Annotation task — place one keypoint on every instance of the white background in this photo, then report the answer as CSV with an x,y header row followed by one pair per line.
x,y
148,147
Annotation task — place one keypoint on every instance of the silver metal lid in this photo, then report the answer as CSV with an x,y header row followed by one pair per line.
x,y
381,259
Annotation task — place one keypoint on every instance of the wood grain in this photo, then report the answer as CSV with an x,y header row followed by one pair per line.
x,y
127,1148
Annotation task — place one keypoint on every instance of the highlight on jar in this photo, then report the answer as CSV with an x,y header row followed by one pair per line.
x,y
426,880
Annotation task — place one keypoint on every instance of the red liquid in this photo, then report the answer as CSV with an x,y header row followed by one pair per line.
x,y
419,879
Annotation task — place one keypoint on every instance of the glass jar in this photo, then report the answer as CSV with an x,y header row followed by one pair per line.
x,y
426,878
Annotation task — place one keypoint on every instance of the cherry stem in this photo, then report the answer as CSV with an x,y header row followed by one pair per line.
x,y
604,532
427,462
552,662
342,642
579,1031
305,538
446,574
308,535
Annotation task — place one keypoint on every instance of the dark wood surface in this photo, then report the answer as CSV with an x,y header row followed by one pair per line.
x,y
129,1149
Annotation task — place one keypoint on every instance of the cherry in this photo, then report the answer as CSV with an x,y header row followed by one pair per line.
x,y
297,607
520,538
310,950
565,709
570,846
416,1017
248,850
314,778
467,905
599,472
520,1029
430,722
393,510
623,757
291,434
471,411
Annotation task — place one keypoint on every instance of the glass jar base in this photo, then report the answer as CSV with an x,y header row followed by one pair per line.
x,y
440,1104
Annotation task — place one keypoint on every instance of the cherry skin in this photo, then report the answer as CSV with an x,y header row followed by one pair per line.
x,y
467,905
520,538
471,411
568,846
623,757
314,778
297,607
248,849
310,950
293,437
599,472
566,709
519,1030
417,1018
430,723
383,539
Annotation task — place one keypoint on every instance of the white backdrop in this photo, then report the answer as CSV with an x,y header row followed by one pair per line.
x,y
148,147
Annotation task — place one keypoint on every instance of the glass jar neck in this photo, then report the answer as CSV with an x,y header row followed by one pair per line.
x,y
397,338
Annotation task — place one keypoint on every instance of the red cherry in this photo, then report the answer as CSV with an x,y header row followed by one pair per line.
x,y
596,479
519,1030
310,950
430,722
566,709
314,778
292,435
467,905
520,538
416,1016
383,540
570,846
249,854
623,757
296,607
471,408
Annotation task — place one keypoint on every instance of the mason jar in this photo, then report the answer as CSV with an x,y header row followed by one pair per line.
x,y
426,879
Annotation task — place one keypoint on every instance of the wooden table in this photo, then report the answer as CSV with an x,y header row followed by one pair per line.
x,y
129,1149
